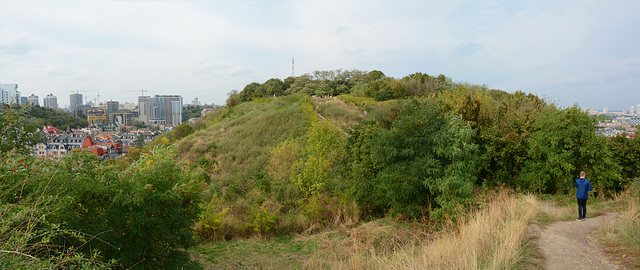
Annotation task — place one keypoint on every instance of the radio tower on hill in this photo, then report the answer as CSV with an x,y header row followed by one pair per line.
x,y
293,73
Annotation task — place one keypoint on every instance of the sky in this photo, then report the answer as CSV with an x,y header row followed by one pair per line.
x,y
569,52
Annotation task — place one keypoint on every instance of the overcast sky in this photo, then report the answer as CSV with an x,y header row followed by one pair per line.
x,y
584,52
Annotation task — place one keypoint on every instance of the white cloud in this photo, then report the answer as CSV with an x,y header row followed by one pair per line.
x,y
207,48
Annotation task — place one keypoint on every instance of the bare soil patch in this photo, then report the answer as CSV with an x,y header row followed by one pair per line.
x,y
571,245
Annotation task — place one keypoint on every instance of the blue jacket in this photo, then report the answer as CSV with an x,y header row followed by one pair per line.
x,y
584,186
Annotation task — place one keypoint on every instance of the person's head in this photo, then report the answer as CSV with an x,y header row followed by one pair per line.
x,y
582,174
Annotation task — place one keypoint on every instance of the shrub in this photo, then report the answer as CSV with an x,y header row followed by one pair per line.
x,y
141,216
424,164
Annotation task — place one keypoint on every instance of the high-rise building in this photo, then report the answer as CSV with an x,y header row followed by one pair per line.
x,y
75,102
50,101
631,111
143,109
9,93
638,110
165,110
605,110
112,106
33,99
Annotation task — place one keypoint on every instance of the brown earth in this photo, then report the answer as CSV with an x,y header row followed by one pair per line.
x,y
570,245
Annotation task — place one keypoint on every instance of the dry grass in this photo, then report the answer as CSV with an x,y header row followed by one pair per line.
x,y
621,236
338,111
551,211
493,238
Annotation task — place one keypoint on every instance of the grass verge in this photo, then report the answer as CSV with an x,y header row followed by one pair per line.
x,y
256,253
494,237
621,236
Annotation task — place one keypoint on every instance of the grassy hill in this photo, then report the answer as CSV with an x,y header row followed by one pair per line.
x,y
341,169
247,154
307,168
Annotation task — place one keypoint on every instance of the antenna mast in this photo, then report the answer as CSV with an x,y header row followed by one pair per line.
x,y
293,73
98,102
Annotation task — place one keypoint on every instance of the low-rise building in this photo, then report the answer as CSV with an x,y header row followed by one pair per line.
x,y
57,144
96,116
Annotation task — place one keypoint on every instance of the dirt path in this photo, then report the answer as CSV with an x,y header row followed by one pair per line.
x,y
569,245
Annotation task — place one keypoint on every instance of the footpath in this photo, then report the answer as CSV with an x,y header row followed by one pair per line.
x,y
570,245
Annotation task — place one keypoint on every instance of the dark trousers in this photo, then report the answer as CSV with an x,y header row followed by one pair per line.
x,y
582,208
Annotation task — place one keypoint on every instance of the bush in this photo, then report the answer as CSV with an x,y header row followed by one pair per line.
x,y
425,163
141,217
29,199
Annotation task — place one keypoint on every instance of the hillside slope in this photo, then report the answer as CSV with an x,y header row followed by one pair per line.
x,y
248,152
418,147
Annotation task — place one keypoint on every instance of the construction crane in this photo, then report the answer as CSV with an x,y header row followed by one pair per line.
x,y
78,91
141,91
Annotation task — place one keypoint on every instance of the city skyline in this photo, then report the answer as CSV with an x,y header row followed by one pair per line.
x,y
631,108
569,52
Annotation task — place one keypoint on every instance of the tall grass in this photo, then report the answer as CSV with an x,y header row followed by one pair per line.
x,y
242,152
340,112
622,234
552,211
492,238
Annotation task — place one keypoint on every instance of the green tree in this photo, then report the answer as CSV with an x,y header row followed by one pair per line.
x,y
17,132
57,118
139,142
30,198
247,93
139,124
274,86
233,99
564,143
181,131
143,216
426,162
627,155
191,111
323,151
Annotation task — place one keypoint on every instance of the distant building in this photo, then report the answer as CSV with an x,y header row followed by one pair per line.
x,y
112,106
208,109
158,110
194,120
631,111
143,109
104,150
33,99
86,107
9,93
122,118
51,101
127,106
165,110
195,102
605,110
57,143
96,116
75,103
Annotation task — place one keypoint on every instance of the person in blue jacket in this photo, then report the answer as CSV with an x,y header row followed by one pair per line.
x,y
583,187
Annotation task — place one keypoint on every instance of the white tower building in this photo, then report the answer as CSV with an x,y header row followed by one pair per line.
x,y
9,93
50,101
